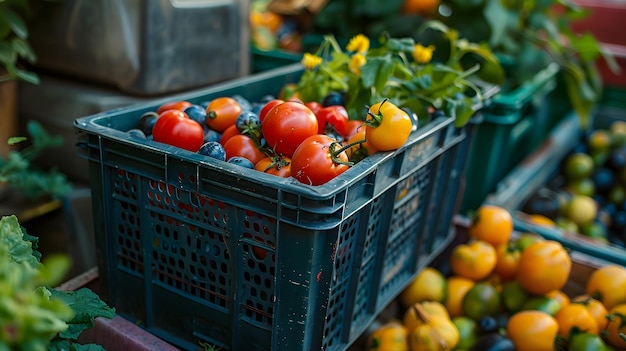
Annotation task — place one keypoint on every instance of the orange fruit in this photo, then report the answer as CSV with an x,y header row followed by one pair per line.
x,y
617,327
608,285
544,266
475,260
532,331
575,316
595,308
492,224
457,288
420,7
428,285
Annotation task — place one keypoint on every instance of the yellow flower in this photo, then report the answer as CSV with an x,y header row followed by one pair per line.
x,y
359,43
423,54
310,61
356,62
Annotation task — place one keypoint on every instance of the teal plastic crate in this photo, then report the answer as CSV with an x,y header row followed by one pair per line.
x,y
514,124
198,250
264,60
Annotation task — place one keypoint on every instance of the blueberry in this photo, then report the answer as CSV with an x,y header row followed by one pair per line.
x,y
488,324
241,161
332,99
146,122
212,135
603,179
213,149
137,133
247,120
196,113
256,108
243,102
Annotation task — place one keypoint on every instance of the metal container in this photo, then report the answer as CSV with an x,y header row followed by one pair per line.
x,y
144,47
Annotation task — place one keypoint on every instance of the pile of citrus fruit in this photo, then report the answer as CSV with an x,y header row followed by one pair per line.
x,y
506,290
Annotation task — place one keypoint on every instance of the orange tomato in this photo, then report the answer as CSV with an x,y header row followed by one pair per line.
x,y
221,113
595,308
424,8
267,19
544,266
492,224
575,316
532,330
359,151
474,260
278,166
457,288
173,105
507,264
617,326
608,284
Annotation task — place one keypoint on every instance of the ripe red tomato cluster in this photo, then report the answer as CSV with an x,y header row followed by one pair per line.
x,y
286,138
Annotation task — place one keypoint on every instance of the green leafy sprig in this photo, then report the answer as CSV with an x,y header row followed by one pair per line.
x,y
391,72
18,171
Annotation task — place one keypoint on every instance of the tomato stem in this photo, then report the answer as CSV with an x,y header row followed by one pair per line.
x,y
334,153
376,118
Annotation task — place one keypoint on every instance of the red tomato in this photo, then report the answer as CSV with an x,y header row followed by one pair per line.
x,y
228,133
315,161
221,113
286,125
173,127
332,117
353,127
174,105
268,106
313,106
278,166
244,146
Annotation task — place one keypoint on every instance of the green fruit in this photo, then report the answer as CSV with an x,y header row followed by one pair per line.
x,y
524,240
483,299
513,296
567,224
578,166
584,186
594,230
468,332
582,209
599,140
586,342
542,303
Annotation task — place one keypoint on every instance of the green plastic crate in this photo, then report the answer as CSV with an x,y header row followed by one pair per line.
x,y
201,250
514,124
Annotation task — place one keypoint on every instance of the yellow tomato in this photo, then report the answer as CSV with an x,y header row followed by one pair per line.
x,y
475,260
391,336
608,284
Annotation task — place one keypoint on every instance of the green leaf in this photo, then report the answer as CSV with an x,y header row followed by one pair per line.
x,y
5,29
11,235
16,24
23,49
16,140
54,268
7,54
587,47
86,306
